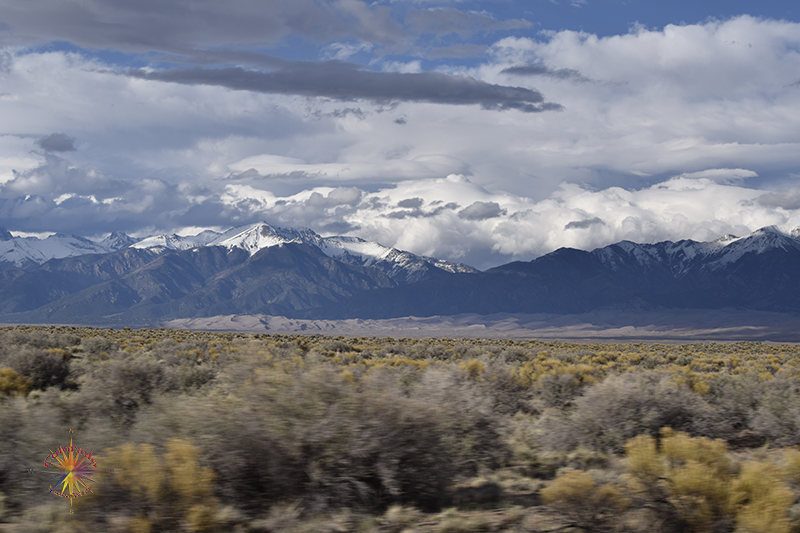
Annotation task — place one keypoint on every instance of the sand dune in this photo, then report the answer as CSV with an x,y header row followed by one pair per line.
x,y
666,326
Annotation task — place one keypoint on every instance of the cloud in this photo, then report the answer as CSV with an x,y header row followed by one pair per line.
x,y
722,175
583,224
56,176
692,133
446,20
640,127
5,59
481,211
423,215
463,50
502,227
343,51
176,27
788,200
541,70
345,81
411,203
57,142
258,169
69,198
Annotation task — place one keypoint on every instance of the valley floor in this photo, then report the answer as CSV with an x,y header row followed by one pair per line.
x,y
649,326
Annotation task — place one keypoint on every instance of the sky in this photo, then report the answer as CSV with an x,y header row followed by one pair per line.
x,y
475,131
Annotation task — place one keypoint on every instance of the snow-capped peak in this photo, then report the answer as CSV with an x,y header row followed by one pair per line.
x,y
758,242
116,241
256,237
27,251
253,238
680,256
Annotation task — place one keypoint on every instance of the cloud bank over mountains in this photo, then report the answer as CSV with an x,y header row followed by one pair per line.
x,y
445,131
444,217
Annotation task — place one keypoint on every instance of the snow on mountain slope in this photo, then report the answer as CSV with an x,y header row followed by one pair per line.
x,y
117,241
28,251
758,242
679,257
402,266
676,257
176,242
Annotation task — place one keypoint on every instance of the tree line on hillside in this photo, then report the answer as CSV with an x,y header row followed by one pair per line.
x,y
257,433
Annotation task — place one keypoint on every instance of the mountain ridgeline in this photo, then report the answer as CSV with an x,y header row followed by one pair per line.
x,y
246,270
296,273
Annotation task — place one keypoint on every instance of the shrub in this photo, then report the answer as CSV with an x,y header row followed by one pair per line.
x,y
398,518
171,492
693,481
587,505
559,390
621,407
686,483
761,499
477,494
98,344
12,383
42,368
333,440
733,401
778,414
119,388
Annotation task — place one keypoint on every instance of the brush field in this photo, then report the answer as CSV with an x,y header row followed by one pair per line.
x,y
311,433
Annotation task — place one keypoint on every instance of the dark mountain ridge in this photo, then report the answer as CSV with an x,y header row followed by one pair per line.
x,y
755,272
274,272
199,282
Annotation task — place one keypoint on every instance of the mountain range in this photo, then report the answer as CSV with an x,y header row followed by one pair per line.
x,y
249,269
260,269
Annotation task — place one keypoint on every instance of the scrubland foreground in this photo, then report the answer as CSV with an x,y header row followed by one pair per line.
x,y
267,433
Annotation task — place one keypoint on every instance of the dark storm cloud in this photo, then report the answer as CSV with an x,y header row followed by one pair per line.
x,y
447,20
346,81
181,25
57,142
547,72
583,224
481,211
